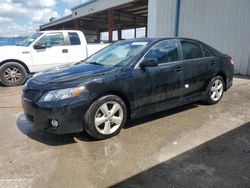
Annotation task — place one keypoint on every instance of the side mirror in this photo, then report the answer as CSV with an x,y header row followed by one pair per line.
x,y
149,63
40,46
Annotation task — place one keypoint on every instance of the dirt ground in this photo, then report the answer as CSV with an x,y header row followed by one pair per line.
x,y
191,146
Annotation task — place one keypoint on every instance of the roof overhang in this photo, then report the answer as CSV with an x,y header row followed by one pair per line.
x,y
57,21
88,8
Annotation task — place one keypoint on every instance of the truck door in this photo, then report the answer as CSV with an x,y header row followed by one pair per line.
x,y
77,46
53,53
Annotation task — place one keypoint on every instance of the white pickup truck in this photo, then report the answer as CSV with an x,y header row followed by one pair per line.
x,y
43,50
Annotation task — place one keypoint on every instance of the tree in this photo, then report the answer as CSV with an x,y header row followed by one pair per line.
x,y
52,19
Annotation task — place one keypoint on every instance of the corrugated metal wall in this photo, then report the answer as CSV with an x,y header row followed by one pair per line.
x,y
160,18
224,24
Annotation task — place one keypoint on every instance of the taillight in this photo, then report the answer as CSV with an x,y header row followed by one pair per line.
x,y
231,61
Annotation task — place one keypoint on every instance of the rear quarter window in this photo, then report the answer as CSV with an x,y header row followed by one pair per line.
x,y
74,38
206,52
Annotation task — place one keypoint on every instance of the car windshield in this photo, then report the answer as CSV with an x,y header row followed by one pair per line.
x,y
118,54
30,39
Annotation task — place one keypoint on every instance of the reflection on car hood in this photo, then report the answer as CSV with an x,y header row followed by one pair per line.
x,y
66,76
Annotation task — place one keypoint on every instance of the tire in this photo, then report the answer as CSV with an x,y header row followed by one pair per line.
x,y
12,74
215,90
105,117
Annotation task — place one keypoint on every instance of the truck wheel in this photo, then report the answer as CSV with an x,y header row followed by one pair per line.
x,y
12,74
105,117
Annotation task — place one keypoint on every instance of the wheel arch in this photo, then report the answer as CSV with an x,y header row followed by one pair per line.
x,y
15,61
119,94
224,79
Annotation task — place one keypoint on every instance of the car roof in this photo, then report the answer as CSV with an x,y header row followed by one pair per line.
x,y
155,40
152,39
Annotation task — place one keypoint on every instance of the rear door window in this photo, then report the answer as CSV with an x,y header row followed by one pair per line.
x,y
191,50
74,38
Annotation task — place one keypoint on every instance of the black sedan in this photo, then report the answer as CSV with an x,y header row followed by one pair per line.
x,y
126,80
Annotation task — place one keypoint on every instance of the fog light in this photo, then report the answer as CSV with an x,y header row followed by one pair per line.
x,y
54,123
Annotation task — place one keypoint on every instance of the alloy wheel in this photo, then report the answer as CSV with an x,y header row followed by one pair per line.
x,y
216,90
108,117
12,74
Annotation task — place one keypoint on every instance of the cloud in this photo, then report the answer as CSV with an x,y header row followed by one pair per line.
x,y
36,12
40,3
14,30
67,12
43,15
5,20
11,9
72,2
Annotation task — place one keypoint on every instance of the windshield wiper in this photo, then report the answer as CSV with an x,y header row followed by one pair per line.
x,y
94,63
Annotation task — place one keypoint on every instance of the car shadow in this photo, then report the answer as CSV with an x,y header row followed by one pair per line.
x,y
55,140
221,162
242,76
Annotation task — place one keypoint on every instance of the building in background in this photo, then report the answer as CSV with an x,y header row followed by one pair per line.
x,y
224,24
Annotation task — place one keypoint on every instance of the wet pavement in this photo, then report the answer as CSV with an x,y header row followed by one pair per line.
x,y
191,146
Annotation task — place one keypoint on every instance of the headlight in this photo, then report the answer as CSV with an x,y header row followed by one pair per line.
x,y
56,95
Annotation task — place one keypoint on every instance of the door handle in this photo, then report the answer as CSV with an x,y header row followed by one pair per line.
x,y
178,69
65,51
212,62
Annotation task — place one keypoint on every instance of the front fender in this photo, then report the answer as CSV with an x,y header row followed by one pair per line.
x,y
16,54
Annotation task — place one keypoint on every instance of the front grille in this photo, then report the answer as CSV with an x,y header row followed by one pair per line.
x,y
32,94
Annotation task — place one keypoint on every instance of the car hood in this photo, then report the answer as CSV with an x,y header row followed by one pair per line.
x,y
67,76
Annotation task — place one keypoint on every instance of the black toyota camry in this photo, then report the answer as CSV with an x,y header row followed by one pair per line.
x,y
126,80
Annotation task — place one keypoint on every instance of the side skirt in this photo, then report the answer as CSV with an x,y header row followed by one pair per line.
x,y
154,108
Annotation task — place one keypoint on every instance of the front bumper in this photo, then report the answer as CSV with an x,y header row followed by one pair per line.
x,y
69,116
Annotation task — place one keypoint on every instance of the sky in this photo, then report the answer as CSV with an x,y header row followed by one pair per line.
x,y
23,17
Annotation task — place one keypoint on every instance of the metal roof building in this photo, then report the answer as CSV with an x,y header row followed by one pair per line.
x,y
223,24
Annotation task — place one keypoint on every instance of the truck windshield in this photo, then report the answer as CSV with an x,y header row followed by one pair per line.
x,y
30,39
117,55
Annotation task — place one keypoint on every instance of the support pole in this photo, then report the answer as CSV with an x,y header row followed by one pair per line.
x,y
135,29
98,36
119,34
110,25
76,24
177,18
